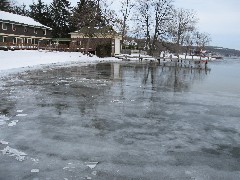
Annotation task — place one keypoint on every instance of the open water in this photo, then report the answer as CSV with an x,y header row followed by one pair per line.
x,y
113,121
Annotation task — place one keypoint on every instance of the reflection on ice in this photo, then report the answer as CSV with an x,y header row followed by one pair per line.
x,y
3,120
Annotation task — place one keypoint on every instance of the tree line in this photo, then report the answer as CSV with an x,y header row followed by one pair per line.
x,y
156,22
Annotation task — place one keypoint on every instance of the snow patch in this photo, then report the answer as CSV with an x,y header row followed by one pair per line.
x,y
3,142
70,167
22,60
91,165
4,118
13,123
20,156
35,160
21,115
35,171
116,101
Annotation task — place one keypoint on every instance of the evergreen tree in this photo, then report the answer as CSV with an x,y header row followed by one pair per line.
x,y
87,16
60,14
88,13
40,12
5,5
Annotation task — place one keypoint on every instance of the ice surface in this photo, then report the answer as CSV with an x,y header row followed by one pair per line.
x,y
94,173
180,132
2,122
19,111
20,156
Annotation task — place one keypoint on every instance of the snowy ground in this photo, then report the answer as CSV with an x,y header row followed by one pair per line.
x,y
15,61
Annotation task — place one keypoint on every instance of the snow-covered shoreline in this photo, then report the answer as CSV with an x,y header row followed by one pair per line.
x,y
17,61
12,62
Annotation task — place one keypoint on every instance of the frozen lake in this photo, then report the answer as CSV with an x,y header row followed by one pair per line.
x,y
113,121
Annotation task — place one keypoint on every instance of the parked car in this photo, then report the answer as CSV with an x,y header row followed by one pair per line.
x,y
5,48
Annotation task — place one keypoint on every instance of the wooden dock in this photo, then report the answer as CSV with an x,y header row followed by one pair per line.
x,y
186,63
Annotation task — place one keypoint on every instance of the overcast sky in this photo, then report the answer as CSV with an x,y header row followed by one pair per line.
x,y
219,18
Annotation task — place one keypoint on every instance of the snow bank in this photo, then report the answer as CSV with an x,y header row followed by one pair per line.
x,y
14,61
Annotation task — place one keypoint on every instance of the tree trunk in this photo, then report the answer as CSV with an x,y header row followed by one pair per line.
x,y
87,45
148,35
155,35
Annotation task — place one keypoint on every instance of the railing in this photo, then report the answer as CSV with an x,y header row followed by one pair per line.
x,y
50,47
16,46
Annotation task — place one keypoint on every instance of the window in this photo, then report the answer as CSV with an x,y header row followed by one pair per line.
x,y
79,43
25,29
14,40
4,26
35,30
4,39
44,32
13,27
34,41
29,41
25,40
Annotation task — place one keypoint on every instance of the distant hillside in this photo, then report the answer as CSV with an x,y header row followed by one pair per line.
x,y
223,51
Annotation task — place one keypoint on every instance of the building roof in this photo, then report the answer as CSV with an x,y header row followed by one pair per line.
x,y
15,18
96,30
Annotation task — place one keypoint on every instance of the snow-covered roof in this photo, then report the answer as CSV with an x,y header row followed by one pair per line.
x,y
10,17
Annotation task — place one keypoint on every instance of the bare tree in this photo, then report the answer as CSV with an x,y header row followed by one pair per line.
x,y
143,17
163,14
153,16
126,7
184,22
110,16
202,39
188,41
